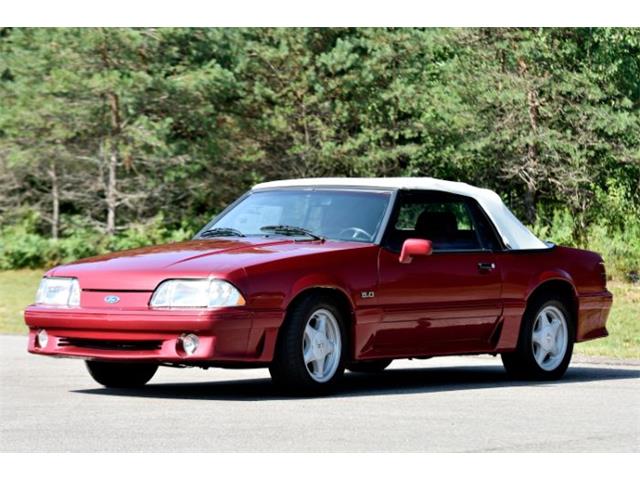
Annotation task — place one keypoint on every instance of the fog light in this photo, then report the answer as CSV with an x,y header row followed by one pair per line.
x,y
42,338
190,343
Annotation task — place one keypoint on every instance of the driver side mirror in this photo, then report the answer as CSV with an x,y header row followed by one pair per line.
x,y
415,247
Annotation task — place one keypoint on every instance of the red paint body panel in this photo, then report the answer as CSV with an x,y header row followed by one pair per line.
x,y
524,272
436,305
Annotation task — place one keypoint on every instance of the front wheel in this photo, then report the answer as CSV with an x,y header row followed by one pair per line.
x,y
121,375
309,355
546,342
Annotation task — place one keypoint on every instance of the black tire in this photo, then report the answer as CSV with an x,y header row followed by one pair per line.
x,y
121,375
369,366
521,364
288,369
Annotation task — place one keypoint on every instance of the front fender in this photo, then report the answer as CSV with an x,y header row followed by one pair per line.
x,y
316,280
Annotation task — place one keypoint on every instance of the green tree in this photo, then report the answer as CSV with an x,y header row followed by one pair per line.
x,y
123,131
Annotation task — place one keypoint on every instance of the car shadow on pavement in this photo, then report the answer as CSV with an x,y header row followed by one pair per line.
x,y
390,382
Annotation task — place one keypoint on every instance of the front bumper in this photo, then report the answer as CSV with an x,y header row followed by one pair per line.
x,y
226,334
124,346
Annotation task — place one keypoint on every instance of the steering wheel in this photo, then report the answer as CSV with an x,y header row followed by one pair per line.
x,y
357,233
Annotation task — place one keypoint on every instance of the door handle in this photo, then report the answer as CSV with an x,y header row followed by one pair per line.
x,y
486,266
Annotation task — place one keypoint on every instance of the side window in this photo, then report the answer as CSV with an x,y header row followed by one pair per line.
x,y
484,228
449,221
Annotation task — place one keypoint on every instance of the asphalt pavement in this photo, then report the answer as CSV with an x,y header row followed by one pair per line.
x,y
454,404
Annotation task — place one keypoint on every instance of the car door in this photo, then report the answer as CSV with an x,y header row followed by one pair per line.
x,y
448,301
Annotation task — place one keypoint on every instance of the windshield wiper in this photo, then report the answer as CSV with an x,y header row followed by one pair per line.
x,y
291,230
222,232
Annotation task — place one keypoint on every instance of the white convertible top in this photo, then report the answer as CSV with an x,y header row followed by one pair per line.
x,y
514,234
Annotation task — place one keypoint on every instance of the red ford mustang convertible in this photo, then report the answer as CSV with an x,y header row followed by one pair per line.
x,y
309,277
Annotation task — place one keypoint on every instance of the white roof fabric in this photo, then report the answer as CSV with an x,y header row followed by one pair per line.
x,y
514,234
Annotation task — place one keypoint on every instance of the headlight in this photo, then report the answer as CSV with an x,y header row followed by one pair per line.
x,y
64,292
196,293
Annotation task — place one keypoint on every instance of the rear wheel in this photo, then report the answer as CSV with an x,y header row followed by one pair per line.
x,y
369,366
546,342
121,375
309,356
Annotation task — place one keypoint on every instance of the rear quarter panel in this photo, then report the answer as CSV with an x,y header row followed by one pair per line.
x,y
523,272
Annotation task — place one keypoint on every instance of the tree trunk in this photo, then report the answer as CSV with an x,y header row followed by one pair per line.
x,y
530,205
532,163
111,193
113,143
55,201
112,181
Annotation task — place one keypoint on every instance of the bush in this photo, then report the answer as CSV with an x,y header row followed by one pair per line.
x,y
20,247
557,229
152,233
620,250
618,243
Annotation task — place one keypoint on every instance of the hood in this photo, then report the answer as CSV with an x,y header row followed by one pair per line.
x,y
144,268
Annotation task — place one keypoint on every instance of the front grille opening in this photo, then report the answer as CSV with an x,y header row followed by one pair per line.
x,y
127,345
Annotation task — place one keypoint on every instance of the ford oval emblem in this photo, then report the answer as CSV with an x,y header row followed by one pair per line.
x,y
112,299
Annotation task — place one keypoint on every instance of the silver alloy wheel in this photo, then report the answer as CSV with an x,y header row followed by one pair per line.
x,y
322,345
550,338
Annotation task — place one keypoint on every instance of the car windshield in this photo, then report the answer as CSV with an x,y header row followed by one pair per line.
x,y
332,214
